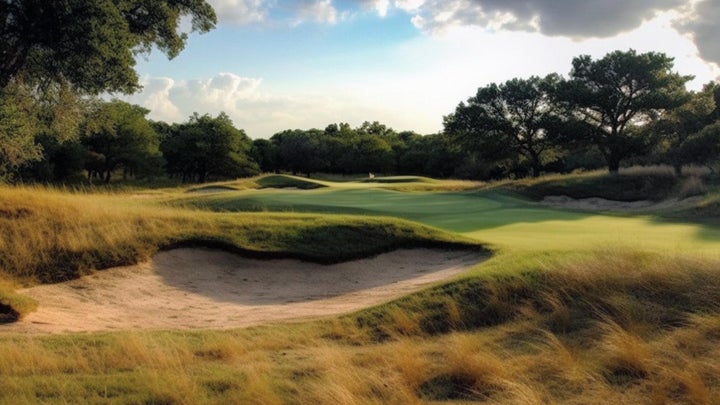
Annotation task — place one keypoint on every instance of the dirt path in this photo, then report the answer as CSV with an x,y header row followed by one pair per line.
x,y
209,289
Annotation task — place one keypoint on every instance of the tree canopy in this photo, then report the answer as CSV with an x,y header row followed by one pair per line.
x,y
515,117
91,43
117,134
208,147
621,90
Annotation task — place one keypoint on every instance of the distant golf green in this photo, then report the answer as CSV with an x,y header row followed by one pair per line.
x,y
499,218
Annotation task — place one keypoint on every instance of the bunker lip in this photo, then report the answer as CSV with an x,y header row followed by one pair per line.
x,y
190,288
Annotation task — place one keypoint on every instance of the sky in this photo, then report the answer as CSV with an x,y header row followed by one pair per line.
x,y
273,65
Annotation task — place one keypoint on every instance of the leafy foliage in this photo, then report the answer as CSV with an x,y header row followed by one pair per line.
x,y
519,116
118,135
679,128
17,130
207,147
91,43
614,94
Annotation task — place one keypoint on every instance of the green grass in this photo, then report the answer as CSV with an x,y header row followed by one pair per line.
x,y
574,307
49,236
653,183
281,181
503,219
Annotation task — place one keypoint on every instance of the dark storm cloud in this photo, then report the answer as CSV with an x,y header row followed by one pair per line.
x,y
703,26
577,18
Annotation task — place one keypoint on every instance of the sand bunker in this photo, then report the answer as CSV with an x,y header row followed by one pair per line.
x,y
210,289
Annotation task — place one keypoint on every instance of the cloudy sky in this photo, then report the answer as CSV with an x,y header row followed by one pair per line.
x,y
279,64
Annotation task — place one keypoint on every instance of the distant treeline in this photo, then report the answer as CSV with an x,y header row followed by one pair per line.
x,y
623,108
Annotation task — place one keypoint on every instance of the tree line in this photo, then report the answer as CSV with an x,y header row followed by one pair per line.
x,y
56,57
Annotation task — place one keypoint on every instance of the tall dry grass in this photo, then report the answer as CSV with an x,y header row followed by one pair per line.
x,y
50,235
611,327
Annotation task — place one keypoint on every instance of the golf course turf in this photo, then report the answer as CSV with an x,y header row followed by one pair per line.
x,y
573,306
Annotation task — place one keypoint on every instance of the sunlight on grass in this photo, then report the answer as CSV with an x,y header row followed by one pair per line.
x,y
573,307
501,219
599,231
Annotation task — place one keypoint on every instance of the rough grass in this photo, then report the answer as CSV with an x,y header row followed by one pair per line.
x,y
49,236
653,183
13,306
556,317
563,329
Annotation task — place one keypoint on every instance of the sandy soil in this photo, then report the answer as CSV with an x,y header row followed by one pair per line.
x,y
210,289
601,204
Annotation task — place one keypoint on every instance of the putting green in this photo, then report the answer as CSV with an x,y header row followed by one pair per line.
x,y
498,218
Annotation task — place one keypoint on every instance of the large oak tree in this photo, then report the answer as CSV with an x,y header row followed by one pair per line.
x,y
615,95
517,117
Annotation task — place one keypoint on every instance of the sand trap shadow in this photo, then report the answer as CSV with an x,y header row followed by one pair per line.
x,y
228,277
210,289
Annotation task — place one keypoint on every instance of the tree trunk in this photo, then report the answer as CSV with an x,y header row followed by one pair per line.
x,y
536,168
678,169
613,165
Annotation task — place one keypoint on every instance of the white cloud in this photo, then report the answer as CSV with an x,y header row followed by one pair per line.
x,y
319,11
571,18
381,6
578,19
259,113
155,97
409,5
240,12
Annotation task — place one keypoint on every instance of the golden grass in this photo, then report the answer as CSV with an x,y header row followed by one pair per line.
x,y
48,235
611,326
644,329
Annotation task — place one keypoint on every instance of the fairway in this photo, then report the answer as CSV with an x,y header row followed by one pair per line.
x,y
383,290
499,218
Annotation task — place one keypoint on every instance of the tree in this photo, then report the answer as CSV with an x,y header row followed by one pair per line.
x,y
18,125
300,151
208,147
265,154
680,124
91,44
430,155
702,147
373,154
117,134
619,91
516,117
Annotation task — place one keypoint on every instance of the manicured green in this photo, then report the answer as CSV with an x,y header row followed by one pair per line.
x,y
501,218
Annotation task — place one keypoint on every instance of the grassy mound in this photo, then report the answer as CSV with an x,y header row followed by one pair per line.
x,y
283,181
556,317
400,179
634,184
13,306
211,189
563,293
50,236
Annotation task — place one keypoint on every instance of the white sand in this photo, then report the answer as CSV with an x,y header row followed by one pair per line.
x,y
210,289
